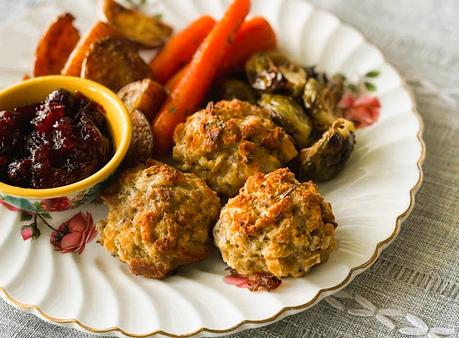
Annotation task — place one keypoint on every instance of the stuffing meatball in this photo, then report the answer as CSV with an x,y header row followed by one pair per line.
x,y
159,219
227,142
276,225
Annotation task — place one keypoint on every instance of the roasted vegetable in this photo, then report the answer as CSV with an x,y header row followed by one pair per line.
x,y
273,72
321,97
145,95
99,31
141,147
55,46
255,35
179,50
150,32
236,89
289,114
189,94
327,157
114,62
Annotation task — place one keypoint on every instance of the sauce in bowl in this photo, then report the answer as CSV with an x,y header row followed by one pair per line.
x,y
53,143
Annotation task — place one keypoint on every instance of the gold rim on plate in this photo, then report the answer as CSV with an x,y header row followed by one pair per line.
x,y
352,273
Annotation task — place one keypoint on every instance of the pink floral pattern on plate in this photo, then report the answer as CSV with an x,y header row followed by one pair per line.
x,y
69,237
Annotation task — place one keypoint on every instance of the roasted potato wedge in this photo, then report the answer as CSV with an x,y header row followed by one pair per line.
x,y
141,146
74,63
114,62
55,46
148,31
145,95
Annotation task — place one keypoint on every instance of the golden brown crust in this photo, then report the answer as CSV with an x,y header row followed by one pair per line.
x,y
145,95
149,32
141,147
159,219
275,225
229,141
114,62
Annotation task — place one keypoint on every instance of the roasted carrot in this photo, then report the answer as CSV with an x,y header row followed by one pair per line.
x,y
179,50
75,61
189,93
174,80
255,35
55,46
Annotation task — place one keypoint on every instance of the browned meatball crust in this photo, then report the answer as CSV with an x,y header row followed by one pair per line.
x,y
276,225
159,219
227,142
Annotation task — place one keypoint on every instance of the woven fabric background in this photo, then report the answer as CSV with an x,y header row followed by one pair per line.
x,y
418,274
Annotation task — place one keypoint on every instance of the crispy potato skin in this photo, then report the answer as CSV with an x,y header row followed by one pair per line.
x,y
145,95
275,225
227,142
141,146
159,219
147,31
75,61
55,46
114,62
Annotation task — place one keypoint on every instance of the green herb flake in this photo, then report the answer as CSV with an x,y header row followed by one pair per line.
x,y
372,74
352,87
370,86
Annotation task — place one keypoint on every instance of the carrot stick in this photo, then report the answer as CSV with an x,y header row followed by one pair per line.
x,y
192,89
75,61
175,80
180,49
255,35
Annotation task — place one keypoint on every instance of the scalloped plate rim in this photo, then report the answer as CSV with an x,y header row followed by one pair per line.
x,y
286,310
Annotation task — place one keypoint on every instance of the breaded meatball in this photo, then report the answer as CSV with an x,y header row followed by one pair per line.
x,y
227,142
159,219
276,225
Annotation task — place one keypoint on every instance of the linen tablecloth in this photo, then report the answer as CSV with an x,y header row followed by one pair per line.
x,y
413,289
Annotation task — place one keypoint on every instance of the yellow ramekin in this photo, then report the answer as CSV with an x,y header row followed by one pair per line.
x,y
75,194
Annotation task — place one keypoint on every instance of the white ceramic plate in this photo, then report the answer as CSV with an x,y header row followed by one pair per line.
x,y
370,198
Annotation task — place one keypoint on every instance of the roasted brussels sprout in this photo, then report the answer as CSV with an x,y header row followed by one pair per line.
x,y
273,72
236,89
286,112
321,97
327,157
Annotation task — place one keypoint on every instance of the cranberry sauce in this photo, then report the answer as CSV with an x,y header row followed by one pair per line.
x,y
59,141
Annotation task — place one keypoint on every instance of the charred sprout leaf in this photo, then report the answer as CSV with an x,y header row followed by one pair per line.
x,y
262,70
273,72
236,89
294,79
327,157
321,97
289,114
